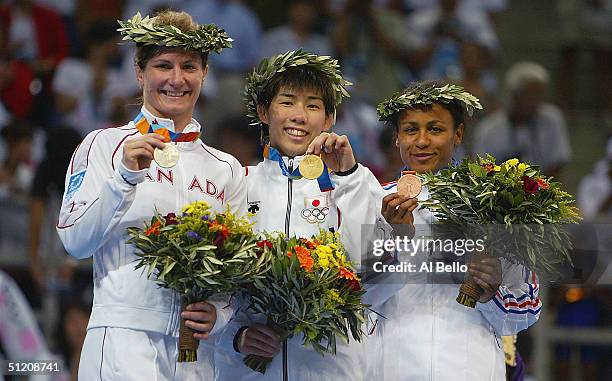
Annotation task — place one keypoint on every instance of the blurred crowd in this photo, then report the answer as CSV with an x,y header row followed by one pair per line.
x,y
64,73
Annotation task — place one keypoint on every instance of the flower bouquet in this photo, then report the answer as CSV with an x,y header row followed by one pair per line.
x,y
311,290
199,254
517,211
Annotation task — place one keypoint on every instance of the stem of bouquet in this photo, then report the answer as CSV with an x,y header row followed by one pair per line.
x,y
470,292
188,345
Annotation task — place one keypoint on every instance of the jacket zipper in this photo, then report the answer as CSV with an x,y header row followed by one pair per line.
x,y
287,221
289,198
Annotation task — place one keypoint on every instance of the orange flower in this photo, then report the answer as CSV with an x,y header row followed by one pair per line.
x,y
346,274
488,166
543,184
154,229
304,257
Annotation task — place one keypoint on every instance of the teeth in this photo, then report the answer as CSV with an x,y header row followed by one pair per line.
x,y
175,93
292,131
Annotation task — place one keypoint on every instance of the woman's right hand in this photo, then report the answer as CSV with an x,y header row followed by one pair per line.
x,y
259,340
138,151
397,211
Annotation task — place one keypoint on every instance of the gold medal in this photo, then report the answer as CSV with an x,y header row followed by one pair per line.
x,y
167,157
409,185
311,167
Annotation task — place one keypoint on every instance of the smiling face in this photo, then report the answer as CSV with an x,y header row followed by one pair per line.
x,y
171,83
295,118
427,138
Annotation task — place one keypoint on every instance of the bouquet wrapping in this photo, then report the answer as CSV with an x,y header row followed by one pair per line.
x,y
199,254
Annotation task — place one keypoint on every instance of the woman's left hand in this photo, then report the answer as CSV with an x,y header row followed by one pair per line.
x,y
201,317
335,151
487,273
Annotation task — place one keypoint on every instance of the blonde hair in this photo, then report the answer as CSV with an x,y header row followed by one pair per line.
x,y
181,20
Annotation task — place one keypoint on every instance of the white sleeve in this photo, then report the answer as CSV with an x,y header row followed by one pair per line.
x,y
516,305
224,310
95,197
237,196
239,319
358,197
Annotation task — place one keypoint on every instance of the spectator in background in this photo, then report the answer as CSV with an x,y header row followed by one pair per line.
x,y
88,92
49,263
373,47
73,331
438,33
475,76
229,67
16,173
595,189
586,26
358,120
492,8
387,143
298,33
527,127
37,36
238,138
15,78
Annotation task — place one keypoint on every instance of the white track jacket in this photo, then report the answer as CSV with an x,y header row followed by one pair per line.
x,y
100,204
427,335
298,207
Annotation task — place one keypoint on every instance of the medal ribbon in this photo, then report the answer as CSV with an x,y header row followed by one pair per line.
x,y
142,125
325,183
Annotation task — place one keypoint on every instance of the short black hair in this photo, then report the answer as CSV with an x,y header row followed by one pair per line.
x,y
454,107
300,77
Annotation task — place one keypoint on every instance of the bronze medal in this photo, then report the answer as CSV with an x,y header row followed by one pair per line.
x,y
409,185
167,157
311,167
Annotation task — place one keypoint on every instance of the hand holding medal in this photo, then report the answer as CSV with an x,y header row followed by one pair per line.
x,y
138,151
165,155
335,151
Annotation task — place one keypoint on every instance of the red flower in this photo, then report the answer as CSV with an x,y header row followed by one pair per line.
x,y
308,243
171,219
488,166
154,229
221,236
543,184
529,185
263,243
354,284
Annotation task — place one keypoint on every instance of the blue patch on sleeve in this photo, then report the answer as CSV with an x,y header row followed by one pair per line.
x,y
76,180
